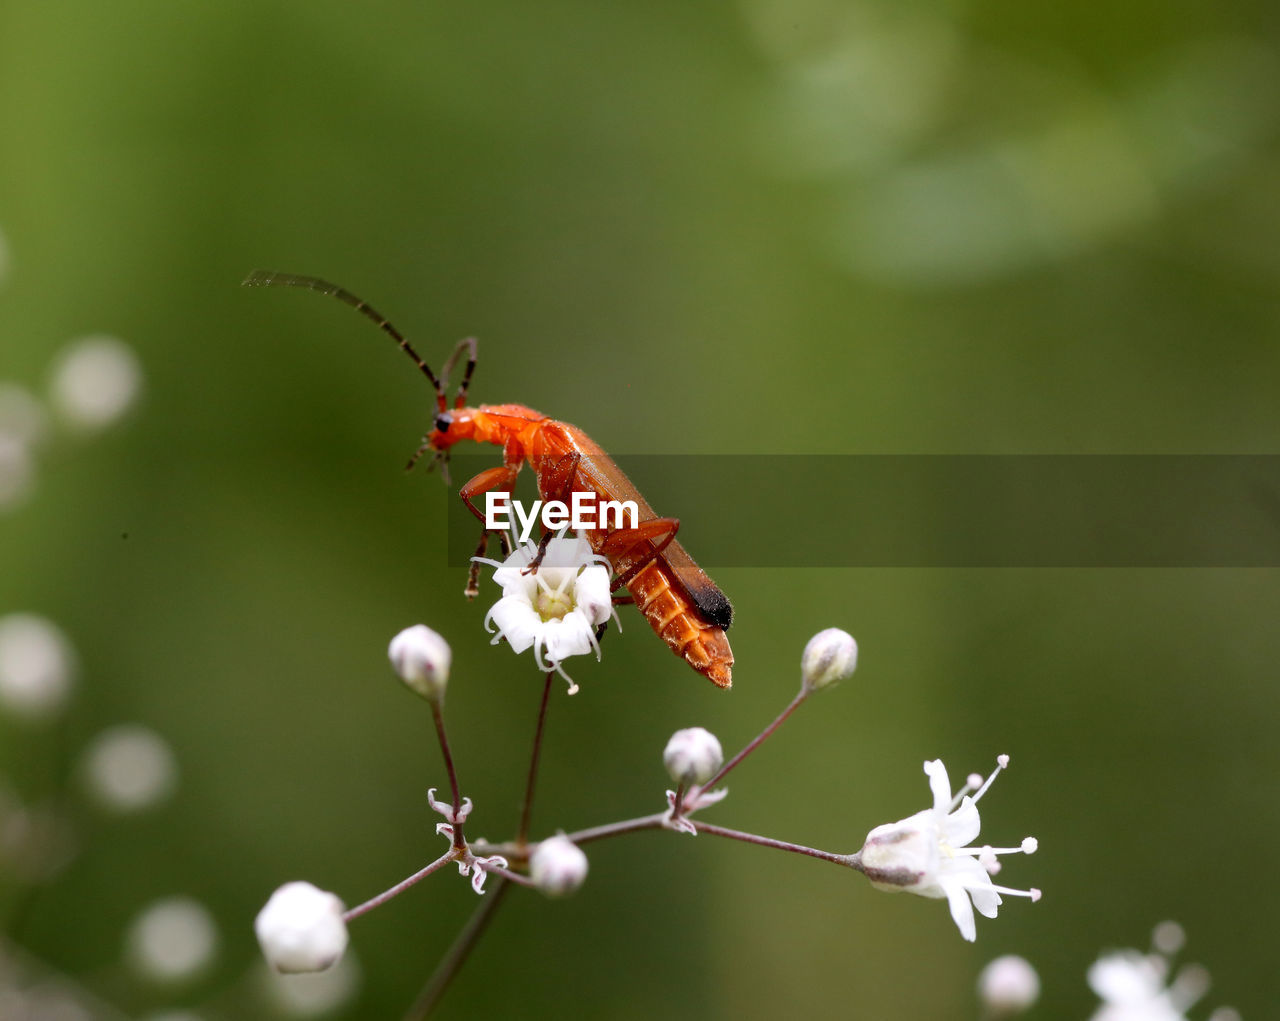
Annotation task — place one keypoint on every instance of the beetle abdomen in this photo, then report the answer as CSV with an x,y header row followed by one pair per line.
x,y
700,642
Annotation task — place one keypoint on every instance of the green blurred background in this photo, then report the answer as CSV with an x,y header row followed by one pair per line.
x,y
768,226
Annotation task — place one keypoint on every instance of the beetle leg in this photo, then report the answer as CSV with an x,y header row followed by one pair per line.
x,y
556,483
543,543
473,571
623,542
501,478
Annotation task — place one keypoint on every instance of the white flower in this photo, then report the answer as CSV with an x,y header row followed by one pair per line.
x,y
557,866
173,940
928,853
1168,937
17,470
1132,988
556,609
129,768
1008,985
21,422
36,666
1135,986
301,928
421,658
95,381
829,656
693,756
311,994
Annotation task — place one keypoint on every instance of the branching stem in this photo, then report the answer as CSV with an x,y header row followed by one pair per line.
x,y
526,812
453,961
400,887
757,741
437,713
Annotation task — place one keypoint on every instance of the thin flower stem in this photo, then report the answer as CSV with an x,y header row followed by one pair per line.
x,y
781,845
399,888
437,713
526,813
520,852
757,741
498,870
615,829
458,953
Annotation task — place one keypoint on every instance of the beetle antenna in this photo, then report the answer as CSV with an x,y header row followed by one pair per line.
x,y
470,345
268,278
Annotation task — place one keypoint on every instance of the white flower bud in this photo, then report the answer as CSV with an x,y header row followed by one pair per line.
x,y
36,666
557,866
830,656
129,768
21,423
95,381
1008,985
693,756
173,940
421,659
301,928
1168,937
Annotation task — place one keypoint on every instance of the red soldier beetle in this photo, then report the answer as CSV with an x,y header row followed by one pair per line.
x,y
681,603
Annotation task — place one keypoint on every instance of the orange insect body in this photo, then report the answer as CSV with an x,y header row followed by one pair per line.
x,y
682,605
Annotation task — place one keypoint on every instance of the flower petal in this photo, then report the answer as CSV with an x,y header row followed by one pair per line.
x,y
962,826
939,784
977,881
961,909
569,636
1127,977
517,622
593,596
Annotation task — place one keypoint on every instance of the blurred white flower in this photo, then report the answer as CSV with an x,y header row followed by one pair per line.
x,y
1008,985
1134,986
172,940
928,853
95,380
129,768
556,609
312,994
301,928
50,999
557,866
17,471
693,756
421,658
36,666
36,841
830,656
21,424
1168,937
